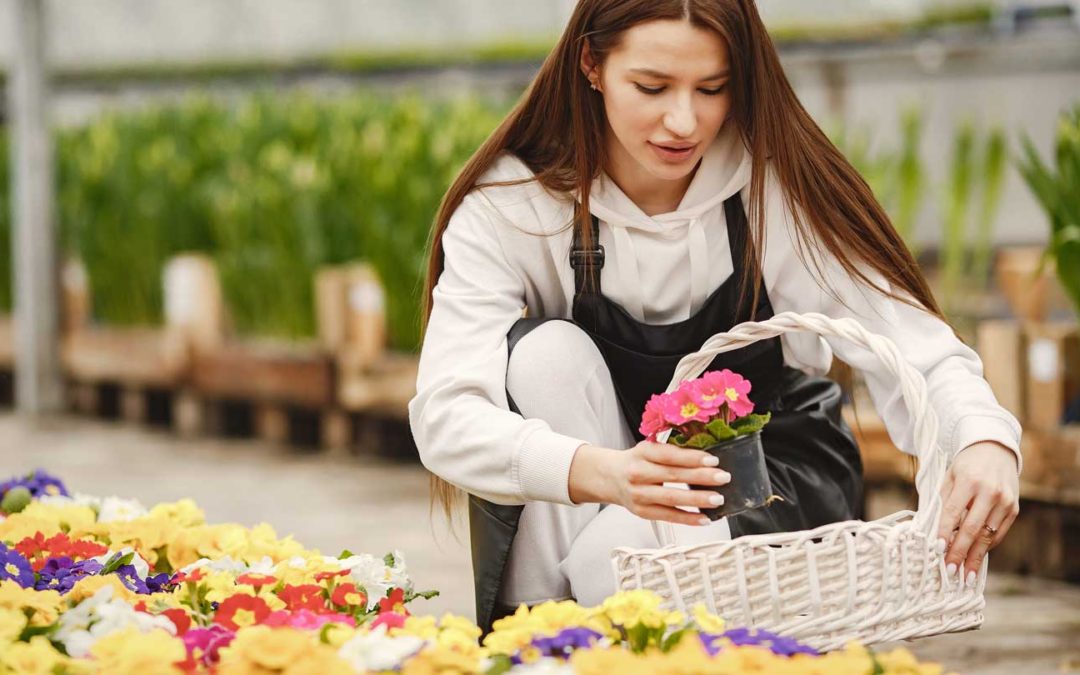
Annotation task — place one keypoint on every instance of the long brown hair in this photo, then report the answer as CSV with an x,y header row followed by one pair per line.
x,y
557,129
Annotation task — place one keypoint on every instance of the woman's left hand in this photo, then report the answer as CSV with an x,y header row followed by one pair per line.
x,y
981,499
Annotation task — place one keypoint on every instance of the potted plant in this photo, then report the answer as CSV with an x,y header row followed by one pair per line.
x,y
714,413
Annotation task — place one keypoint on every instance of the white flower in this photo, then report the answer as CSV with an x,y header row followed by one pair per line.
x,y
377,651
100,615
115,508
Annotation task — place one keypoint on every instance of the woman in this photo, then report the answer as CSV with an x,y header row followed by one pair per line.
x,y
658,183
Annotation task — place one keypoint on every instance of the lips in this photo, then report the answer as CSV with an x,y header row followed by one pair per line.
x,y
673,153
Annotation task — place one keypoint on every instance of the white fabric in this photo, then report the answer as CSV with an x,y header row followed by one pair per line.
x,y
557,373
506,247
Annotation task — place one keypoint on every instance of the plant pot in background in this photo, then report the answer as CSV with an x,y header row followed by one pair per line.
x,y
744,458
1025,288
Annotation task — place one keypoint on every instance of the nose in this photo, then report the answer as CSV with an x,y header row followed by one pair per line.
x,y
680,118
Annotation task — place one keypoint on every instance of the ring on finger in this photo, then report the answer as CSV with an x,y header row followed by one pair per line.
x,y
991,531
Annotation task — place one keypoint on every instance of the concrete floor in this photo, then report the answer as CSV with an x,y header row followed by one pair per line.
x,y
332,502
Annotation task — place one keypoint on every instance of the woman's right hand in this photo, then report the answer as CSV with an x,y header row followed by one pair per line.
x,y
634,479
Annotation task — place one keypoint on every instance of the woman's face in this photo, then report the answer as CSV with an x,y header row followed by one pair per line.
x,y
666,95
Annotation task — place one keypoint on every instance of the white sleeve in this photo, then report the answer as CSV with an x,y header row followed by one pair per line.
x,y
460,418
967,410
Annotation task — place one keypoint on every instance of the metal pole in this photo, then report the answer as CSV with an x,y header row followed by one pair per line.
x,y
38,386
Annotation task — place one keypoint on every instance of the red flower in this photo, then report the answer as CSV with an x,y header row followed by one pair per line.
x,y
239,611
395,602
193,576
349,595
256,580
38,549
306,596
179,618
323,576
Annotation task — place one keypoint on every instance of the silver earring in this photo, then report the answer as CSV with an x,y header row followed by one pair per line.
x,y
593,85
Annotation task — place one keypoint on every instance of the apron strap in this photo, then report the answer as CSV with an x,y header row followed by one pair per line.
x,y
587,263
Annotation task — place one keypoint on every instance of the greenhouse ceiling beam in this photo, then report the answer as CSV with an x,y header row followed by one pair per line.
x,y
38,387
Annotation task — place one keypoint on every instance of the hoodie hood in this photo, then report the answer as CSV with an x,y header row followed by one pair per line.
x,y
724,169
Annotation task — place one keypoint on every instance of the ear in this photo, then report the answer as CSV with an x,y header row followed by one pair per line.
x,y
588,64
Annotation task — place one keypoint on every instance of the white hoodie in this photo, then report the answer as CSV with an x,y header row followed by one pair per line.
x,y
661,269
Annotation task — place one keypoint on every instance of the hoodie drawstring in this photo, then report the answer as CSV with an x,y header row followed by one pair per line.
x,y
629,276
699,265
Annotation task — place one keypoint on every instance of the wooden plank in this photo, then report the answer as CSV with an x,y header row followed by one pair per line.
x,y
271,423
1001,346
290,373
7,342
129,356
133,404
336,430
385,386
189,413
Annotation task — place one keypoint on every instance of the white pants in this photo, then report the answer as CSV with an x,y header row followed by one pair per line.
x,y
557,374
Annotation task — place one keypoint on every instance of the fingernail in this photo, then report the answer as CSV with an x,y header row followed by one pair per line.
x,y
710,460
703,521
716,500
942,545
950,570
971,579
722,477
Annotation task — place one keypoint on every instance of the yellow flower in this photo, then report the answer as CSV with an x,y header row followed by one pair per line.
x,y
321,661
421,626
337,634
629,608
77,521
12,623
903,662
440,661
706,621
37,657
184,513
145,535
45,604
88,586
130,651
269,648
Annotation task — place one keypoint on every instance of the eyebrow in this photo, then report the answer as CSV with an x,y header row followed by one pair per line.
x,y
664,76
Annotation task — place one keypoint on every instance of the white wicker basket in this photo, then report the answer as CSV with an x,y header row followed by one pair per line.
x,y
868,581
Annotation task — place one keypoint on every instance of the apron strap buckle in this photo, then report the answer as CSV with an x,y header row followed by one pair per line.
x,y
594,255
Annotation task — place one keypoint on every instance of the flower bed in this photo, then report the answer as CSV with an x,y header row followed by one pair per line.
x,y
103,585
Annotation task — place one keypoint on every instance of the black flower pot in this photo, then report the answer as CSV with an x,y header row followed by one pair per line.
x,y
743,458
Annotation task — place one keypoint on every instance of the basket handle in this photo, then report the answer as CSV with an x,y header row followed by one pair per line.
x,y
932,460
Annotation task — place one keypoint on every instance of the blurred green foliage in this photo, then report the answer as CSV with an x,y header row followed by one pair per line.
x,y
1056,185
271,188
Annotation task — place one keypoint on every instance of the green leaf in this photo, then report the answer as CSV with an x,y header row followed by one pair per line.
x,y
389,560
677,439
702,440
116,562
720,430
346,553
500,663
672,640
748,424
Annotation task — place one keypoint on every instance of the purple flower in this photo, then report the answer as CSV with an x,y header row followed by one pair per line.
x,y
739,637
15,567
563,643
205,644
159,583
38,483
61,574
130,578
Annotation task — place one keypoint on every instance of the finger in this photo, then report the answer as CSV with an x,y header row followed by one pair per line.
x,y
971,529
671,515
672,455
984,539
952,511
1012,510
655,494
650,473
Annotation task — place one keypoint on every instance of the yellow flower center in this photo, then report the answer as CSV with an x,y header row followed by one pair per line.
x,y
11,569
244,617
689,409
731,394
352,598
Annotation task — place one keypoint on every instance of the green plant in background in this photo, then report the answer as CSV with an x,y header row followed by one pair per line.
x,y
976,168
271,188
1057,187
896,175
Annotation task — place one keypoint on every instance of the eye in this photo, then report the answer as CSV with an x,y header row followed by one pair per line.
x,y
714,92
651,91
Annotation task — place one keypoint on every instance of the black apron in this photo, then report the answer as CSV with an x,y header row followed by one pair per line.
x,y
811,454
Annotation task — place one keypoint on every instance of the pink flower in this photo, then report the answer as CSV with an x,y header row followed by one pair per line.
x,y
652,421
729,389
679,408
390,620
